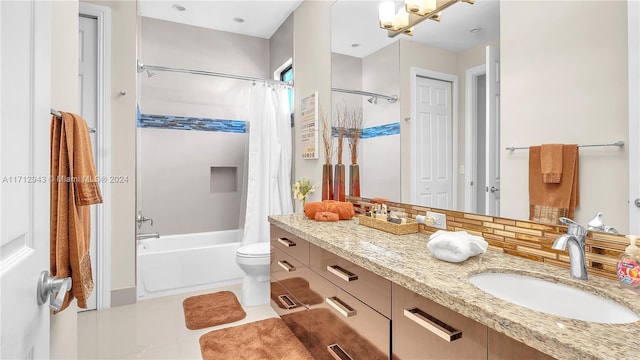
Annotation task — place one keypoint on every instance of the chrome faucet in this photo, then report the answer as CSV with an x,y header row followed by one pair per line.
x,y
575,239
147,236
140,219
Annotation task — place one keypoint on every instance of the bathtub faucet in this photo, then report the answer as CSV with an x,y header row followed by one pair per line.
x,y
140,219
147,236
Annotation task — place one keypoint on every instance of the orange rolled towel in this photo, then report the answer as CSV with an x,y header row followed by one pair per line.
x,y
343,209
326,216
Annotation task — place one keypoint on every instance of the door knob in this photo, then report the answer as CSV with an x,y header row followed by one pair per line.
x,y
48,285
637,202
494,189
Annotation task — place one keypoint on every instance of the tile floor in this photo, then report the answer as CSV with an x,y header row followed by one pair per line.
x,y
151,329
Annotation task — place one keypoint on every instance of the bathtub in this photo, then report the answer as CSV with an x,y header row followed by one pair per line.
x,y
180,263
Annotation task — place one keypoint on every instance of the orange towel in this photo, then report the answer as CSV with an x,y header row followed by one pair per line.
x,y
73,187
564,195
551,163
326,216
343,209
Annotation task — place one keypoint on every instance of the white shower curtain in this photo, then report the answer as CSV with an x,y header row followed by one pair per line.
x,y
269,170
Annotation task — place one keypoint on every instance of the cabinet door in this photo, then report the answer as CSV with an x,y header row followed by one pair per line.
x,y
342,327
290,244
293,276
372,289
423,329
502,347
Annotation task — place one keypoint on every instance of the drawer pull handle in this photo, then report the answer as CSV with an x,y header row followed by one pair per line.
x,y
337,353
342,273
286,242
286,301
341,307
286,266
432,324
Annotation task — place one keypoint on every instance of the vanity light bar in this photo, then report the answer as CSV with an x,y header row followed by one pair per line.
x,y
617,143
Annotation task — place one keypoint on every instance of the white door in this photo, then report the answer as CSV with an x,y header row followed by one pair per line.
x,y
24,172
434,128
88,92
492,184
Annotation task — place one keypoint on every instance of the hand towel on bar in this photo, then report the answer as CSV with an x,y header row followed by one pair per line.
x,y
455,246
551,163
343,209
73,188
548,201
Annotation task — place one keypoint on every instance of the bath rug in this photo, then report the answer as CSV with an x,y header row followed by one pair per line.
x,y
299,288
268,339
213,309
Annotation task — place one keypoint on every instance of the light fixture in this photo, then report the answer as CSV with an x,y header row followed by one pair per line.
x,y
412,13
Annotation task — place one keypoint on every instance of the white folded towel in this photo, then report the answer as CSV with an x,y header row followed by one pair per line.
x,y
455,246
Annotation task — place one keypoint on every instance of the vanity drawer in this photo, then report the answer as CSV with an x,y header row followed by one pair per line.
x,y
291,310
344,325
372,289
290,244
423,329
293,275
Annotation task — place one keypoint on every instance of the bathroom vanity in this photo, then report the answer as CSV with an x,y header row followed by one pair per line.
x,y
351,291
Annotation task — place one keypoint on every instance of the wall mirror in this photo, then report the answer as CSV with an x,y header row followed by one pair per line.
x,y
453,53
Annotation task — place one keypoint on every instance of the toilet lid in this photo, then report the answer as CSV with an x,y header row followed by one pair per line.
x,y
262,249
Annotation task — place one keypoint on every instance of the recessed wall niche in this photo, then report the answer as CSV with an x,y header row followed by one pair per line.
x,y
223,179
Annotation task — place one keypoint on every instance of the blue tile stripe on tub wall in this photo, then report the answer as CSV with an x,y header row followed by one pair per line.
x,y
190,123
376,131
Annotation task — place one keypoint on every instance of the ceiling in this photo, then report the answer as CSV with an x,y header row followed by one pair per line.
x,y
261,18
356,22
353,22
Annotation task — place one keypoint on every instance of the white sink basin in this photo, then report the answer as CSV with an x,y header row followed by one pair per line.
x,y
553,298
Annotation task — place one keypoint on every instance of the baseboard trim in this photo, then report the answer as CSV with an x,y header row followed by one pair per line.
x,y
126,296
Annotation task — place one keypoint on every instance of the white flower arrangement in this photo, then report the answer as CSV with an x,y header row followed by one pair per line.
x,y
302,188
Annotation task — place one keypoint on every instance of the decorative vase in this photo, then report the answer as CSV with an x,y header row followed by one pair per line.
x,y
354,180
327,182
338,183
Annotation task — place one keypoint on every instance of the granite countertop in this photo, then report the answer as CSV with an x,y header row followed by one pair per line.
x,y
405,260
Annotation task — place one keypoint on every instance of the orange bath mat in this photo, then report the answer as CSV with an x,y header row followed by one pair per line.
x,y
268,339
208,310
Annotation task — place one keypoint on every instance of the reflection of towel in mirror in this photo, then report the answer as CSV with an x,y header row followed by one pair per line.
x,y
455,246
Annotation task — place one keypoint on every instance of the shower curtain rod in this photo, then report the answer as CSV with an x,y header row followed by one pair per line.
x,y
391,98
149,68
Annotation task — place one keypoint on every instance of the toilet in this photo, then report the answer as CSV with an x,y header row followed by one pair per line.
x,y
255,260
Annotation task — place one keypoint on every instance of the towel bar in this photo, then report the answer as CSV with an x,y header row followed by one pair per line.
x,y
617,143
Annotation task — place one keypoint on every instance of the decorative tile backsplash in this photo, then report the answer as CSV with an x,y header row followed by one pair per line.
x,y
190,123
521,238
375,131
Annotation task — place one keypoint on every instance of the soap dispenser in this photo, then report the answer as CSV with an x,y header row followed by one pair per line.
x,y
629,266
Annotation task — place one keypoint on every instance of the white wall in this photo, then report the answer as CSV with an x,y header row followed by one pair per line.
x,y
64,96
380,156
281,45
123,148
566,82
312,72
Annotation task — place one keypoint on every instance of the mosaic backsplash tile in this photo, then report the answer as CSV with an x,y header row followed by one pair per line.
x,y
374,131
521,238
190,123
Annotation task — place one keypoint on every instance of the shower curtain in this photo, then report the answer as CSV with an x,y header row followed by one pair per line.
x,y
269,168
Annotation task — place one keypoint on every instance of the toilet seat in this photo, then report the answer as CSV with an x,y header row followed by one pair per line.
x,y
259,250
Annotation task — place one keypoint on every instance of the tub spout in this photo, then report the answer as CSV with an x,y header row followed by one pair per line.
x,y
147,236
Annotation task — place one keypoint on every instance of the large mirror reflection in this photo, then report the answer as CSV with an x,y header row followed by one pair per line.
x,y
486,77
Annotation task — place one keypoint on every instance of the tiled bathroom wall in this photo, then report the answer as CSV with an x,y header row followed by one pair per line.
x,y
192,129
522,238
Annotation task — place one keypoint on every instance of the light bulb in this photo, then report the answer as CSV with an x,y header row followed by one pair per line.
x,y
386,14
402,18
